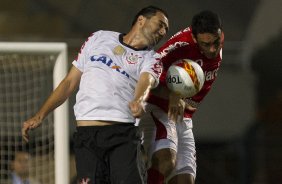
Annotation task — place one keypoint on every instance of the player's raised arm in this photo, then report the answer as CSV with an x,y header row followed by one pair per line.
x,y
144,85
58,97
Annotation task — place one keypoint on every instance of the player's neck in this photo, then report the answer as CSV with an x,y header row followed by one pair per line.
x,y
134,40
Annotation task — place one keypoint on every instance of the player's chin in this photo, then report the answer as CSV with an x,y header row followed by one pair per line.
x,y
157,40
153,41
211,56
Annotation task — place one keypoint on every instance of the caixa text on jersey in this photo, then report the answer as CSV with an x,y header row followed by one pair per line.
x,y
108,62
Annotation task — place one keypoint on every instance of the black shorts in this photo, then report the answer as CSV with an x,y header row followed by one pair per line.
x,y
109,154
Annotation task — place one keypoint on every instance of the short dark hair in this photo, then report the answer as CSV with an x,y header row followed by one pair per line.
x,y
148,12
206,22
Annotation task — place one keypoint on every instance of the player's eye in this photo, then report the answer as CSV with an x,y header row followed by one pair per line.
x,y
205,44
217,43
160,25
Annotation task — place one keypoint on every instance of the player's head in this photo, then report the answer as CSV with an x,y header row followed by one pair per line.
x,y
152,23
20,164
207,32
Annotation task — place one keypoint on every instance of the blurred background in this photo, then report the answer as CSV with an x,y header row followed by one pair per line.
x,y
238,126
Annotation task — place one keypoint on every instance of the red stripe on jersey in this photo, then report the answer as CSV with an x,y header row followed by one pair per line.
x,y
81,48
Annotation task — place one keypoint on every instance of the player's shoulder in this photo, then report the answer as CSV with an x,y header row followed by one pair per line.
x,y
106,33
100,36
180,40
183,35
151,55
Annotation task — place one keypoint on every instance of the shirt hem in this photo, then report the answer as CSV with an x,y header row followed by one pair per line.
x,y
105,119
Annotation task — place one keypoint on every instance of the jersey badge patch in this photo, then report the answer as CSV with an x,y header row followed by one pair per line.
x,y
118,50
133,58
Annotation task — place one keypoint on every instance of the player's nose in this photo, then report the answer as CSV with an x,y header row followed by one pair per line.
x,y
213,48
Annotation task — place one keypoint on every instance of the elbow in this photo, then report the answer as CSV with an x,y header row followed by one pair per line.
x,y
67,87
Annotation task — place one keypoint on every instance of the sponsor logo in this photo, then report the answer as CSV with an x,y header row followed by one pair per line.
x,y
108,62
210,75
172,47
174,79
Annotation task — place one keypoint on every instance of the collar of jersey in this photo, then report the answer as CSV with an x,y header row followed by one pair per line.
x,y
121,41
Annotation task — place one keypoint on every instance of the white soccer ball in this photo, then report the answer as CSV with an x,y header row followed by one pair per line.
x,y
185,77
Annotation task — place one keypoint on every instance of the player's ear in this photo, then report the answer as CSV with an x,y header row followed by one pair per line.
x,y
141,20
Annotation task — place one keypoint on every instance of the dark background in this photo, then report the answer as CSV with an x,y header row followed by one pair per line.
x,y
237,128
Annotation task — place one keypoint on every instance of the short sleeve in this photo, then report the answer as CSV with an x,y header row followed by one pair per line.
x,y
153,65
81,58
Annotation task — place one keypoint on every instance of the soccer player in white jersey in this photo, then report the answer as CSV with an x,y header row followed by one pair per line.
x,y
114,73
173,157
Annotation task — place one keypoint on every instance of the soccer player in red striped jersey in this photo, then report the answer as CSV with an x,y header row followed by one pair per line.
x,y
172,152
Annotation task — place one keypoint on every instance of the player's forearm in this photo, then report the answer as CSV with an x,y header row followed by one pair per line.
x,y
58,97
61,93
144,85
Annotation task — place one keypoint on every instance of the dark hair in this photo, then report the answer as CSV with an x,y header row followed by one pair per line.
x,y
148,12
206,22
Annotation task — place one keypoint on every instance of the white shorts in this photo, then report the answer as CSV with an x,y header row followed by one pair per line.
x,y
160,133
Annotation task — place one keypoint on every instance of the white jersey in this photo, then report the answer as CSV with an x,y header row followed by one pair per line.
x,y
110,71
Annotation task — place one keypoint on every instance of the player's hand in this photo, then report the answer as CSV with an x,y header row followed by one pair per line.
x,y
189,107
136,108
28,125
176,107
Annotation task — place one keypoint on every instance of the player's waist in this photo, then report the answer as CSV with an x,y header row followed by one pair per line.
x,y
96,123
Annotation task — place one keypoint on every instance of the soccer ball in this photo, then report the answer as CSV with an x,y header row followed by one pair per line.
x,y
185,77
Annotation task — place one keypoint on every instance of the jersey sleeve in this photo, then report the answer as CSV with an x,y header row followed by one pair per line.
x,y
173,50
79,61
153,66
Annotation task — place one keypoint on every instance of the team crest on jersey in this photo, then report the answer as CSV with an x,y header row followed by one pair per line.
x,y
133,58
